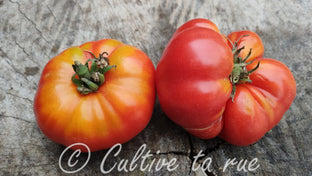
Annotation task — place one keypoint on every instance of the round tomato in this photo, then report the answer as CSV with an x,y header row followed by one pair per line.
x,y
96,101
212,87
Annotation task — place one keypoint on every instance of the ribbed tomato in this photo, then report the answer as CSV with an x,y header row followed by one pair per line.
x,y
98,105
192,78
213,87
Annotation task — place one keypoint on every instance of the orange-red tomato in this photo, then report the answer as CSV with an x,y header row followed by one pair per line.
x,y
248,40
115,113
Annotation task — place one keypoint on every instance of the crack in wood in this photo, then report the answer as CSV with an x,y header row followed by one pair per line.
x,y
24,51
205,154
212,149
31,21
191,154
14,68
52,13
22,48
24,98
13,117
3,53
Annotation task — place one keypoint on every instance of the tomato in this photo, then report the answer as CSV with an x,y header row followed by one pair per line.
x,y
258,106
192,79
211,92
199,22
248,40
113,111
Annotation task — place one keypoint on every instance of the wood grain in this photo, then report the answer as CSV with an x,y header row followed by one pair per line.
x,y
33,31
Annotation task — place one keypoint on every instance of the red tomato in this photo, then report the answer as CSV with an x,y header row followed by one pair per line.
x,y
258,106
192,79
199,22
114,113
198,72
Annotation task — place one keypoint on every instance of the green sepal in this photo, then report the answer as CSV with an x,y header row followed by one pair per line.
x,y
90,84
76,81
94,57
83,90
248,55
106,69
254,69
245,80
102,79
236,53
233,92
74,67
91,76
87,62
93,67
83,71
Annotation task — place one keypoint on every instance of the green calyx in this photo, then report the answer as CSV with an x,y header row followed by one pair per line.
x,y
89,78
240,74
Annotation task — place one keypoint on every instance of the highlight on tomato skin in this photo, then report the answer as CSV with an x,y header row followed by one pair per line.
x,y
100,93
234,94
187,80
198,22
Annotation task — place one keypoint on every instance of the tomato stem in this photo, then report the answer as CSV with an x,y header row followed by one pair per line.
x,y
240,74
87,79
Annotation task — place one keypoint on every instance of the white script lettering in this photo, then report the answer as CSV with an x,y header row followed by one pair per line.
x,y
126,165
75,154
241,165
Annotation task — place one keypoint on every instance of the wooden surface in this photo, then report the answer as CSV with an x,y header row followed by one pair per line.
x,y
34,31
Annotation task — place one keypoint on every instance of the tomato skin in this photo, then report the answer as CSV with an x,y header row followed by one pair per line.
x,y
118,111
258,106
250,40
193,86
198,22
188,80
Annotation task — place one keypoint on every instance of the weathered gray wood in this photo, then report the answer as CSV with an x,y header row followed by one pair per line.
x,y
33,31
